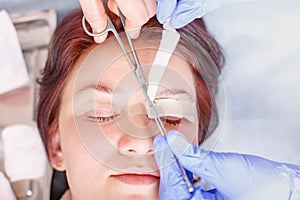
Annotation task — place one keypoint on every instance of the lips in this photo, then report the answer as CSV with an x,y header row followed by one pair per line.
x,y
137,179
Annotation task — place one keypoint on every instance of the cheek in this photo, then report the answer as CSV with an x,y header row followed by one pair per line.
x,y
71,145
189,130
81,167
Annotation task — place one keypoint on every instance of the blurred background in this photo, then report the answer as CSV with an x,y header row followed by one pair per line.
x,y
259,91
61,7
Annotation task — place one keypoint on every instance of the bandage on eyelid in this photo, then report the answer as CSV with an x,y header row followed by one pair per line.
x,y
167,107
174,108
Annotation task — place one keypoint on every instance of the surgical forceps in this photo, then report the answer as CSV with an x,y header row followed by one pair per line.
x,y
136,68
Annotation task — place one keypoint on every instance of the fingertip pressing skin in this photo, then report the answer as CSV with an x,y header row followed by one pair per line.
x,y
137,13
177,137
165,10
178,143
181,19
140,14
159,142
132,31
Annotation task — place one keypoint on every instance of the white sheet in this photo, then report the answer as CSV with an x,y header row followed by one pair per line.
x,y
25,157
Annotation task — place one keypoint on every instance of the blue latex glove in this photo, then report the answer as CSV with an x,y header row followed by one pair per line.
x,y
184,11
235,176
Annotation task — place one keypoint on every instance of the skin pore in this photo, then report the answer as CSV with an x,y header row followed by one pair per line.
x,y
104,137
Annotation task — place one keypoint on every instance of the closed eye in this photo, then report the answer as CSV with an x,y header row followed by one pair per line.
x,y
100,119
100,115
170,120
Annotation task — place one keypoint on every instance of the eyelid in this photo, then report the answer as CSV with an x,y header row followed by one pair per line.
x,y
92,106
100,113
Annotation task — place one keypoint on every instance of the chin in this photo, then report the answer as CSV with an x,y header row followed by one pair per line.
x,y
138,197
136,192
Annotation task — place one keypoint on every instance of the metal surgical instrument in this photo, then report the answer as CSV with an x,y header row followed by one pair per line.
x,y
136,68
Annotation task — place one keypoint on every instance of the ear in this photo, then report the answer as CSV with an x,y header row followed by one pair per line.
x,y
55,152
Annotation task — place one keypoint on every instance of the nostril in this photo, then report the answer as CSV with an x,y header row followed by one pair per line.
x,y
128,151
131,151
150,151
134,146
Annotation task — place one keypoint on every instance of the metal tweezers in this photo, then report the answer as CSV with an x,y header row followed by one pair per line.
x,y
136,68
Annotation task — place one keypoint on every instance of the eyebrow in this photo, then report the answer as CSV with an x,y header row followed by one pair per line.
x,y
168,92
99,87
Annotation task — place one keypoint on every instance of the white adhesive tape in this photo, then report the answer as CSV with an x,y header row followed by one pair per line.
x,y
174,108
168,43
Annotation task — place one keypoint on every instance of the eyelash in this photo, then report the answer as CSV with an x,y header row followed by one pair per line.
x,y
172,122
100,119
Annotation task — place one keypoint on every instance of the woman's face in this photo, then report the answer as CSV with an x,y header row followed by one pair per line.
x,y
105,130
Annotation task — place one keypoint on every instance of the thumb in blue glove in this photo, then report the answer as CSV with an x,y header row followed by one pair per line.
x,y
235,176
184,11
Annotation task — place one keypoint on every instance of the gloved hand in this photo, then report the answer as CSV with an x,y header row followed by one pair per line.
x,y
235,176
184,11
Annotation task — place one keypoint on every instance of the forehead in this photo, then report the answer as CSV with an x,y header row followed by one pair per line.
x,y
106,65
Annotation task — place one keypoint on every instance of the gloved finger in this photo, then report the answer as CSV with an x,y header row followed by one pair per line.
x,y
172,185
182,18
198,162
188,10
205,195
95,15
137,13
188,154
201,163
233,175
215,168
164,10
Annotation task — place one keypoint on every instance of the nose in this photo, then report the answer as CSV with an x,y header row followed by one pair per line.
x,y
131,145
